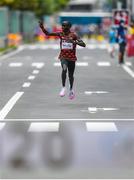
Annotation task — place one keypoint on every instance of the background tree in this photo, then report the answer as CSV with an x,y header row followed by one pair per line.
x,y
39,7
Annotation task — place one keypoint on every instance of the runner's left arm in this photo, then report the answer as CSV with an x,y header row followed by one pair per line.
x,y
80,42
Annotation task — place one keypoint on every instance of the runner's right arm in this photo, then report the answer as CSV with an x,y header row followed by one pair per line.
x,y
46,32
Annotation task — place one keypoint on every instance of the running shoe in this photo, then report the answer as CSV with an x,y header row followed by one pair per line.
x,y
71,94
62,92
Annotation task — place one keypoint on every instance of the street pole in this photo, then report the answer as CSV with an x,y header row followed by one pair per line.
x,y
133,10
119,5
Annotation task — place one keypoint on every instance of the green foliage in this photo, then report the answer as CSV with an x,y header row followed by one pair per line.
x,y
44,7
40,7
60,4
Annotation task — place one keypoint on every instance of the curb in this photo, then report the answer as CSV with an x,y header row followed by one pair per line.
x,y
8,51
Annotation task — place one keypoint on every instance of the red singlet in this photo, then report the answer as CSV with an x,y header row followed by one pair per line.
x,y
68,49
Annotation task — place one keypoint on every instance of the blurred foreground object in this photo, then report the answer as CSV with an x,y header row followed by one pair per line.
x,y
14,39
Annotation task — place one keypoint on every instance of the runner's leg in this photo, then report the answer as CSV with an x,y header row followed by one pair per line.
x,y
122,47
64,64
71,68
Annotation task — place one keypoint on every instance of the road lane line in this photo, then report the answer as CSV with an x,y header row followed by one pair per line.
x,y
2,126
92,109
38,65
103,64
128,63
26,84
10,104
95,92
31,77
95,109
81,63
101,127
78,119
35,71
58,64
44,127
15,64
128,70
109,109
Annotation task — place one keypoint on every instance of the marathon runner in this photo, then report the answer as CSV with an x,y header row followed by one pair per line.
x,y
68,42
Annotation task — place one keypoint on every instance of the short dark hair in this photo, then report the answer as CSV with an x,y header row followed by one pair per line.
x,y
66,23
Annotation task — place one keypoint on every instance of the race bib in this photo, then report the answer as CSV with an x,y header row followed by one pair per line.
x,y
66,45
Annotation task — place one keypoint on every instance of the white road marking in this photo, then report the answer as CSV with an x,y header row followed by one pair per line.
x,y
31,77
95,109
109,109
38,65
92,109
78,119
15,64
95,92
2,125
57,64
101,127
103,64
44,127
128,70
81,63
128,63
35,71
10,104
26,84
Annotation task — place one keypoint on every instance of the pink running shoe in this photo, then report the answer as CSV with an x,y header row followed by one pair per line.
x,y
62,92
71,95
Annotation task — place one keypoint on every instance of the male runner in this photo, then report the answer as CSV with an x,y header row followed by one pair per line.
x,y
68,42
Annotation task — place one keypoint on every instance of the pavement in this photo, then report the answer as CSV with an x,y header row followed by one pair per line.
x,y
45,136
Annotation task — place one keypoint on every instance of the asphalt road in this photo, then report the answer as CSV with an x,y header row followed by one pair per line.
x,y
45,136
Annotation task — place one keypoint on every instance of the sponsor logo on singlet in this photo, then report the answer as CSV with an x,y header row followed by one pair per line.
x,y
66,45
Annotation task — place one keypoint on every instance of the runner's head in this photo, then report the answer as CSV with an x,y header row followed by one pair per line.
x,y
66,25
